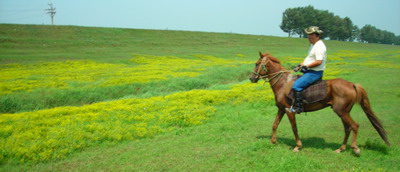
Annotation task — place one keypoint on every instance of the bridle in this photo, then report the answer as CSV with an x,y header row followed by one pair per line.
x,y
263,66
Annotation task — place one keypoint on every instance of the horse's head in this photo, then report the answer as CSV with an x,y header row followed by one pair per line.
x,y
265,64
260,69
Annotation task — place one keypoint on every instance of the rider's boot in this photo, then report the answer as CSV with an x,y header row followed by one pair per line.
x,y
297,106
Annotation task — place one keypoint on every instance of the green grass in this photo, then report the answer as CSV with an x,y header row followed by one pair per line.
x,y
27,44
236,137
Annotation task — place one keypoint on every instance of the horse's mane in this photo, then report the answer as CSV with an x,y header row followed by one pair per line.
x,y
272,58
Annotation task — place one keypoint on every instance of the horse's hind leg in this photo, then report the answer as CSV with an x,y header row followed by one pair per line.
x,y
349,124
278,119
354,126
346,137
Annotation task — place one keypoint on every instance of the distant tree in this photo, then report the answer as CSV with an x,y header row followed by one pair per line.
x,y
371,34
338,32
309,17
295,20
396,40
368,34
324,22
343,29
387,37
288,21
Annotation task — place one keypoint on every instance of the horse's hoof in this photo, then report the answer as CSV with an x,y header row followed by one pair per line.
x,y
296,149
357,151
338,151
273,141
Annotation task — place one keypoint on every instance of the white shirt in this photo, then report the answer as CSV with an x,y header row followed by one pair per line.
x,y
316,52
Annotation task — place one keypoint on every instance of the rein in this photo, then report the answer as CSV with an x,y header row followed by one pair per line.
x,y
274,75
277,75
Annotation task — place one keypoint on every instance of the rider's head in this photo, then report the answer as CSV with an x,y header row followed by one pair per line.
x,y
314,34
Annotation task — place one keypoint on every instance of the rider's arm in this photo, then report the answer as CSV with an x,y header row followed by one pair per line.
x,y
313,64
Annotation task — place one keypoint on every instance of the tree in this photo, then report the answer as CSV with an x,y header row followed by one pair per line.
x,y
368,34
387,37
295,20
371,34
343,29
396,40
289,19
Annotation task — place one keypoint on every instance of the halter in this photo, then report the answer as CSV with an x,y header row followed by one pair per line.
x,y
263,66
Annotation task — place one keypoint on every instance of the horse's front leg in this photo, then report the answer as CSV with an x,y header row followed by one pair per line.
x,y
292,119
278,119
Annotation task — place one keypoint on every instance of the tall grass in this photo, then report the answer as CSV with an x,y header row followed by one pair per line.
x,y
45,98
54,133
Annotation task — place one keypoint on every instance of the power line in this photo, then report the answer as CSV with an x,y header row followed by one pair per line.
x,y
51,11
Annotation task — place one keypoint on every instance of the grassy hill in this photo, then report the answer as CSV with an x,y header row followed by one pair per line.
x,y
44,43
90,99
52,43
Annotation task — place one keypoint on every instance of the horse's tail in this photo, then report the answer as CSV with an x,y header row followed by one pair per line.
x,y
362,99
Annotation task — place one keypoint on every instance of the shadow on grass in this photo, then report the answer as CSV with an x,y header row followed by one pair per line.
x,y
375,146
312,142
320,143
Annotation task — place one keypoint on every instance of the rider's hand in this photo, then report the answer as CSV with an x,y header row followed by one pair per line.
x,y
303,69
297,68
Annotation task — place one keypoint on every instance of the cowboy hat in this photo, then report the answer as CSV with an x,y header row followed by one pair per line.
x,y
313,29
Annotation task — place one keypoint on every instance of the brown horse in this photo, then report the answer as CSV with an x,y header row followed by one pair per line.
x,y
341,96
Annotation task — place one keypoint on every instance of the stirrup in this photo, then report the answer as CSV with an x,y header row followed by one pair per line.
x,y
291,110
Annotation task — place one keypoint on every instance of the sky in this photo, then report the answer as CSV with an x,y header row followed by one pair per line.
x,y
256,17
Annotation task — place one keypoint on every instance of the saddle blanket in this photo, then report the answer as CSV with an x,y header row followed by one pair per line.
x,y
313,93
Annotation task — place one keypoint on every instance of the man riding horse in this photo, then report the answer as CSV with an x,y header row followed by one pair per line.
x,y
340,95
313,67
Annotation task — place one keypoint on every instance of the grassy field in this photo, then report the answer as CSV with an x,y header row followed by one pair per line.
x,y
109,99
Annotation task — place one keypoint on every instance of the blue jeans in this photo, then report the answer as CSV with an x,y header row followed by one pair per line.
x,y
306,80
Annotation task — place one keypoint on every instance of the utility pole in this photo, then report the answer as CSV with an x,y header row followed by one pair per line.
x,y
51,11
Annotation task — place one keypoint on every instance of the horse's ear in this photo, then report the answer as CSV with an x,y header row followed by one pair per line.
x,y
261,54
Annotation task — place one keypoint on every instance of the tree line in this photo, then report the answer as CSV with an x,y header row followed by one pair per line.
x,y
294,20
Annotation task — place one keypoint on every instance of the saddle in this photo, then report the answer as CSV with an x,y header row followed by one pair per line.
x,y
313,93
